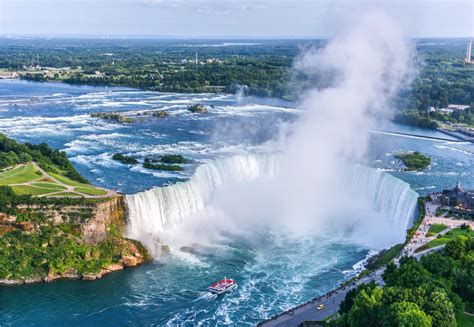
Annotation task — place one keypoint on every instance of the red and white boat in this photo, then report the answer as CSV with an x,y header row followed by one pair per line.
x,y
222,286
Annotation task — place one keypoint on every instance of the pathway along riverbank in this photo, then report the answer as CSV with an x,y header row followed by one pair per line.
x,y
309,311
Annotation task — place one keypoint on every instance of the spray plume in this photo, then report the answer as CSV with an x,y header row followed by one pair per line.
x,y
306,188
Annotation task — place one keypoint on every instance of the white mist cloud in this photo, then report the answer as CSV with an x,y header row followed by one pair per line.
x,y
367,62
313,186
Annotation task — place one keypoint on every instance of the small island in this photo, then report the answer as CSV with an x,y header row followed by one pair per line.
x,y
197,108
155,165
168,162
414,160
174,159
125,159
118,117
160,114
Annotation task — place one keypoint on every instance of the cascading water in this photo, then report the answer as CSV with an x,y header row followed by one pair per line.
x,y
153,211
158,210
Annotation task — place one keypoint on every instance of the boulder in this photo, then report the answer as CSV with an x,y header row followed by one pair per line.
x,y
114,267
129,261
89,276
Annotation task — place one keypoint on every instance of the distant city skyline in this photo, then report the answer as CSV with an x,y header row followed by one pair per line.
x,y
224,18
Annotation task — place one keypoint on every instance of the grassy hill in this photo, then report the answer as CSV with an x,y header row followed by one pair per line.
x,y
38,170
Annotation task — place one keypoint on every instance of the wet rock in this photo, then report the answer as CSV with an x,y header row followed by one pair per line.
x,y
129,261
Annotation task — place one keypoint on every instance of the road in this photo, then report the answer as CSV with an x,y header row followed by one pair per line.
x,y
331,300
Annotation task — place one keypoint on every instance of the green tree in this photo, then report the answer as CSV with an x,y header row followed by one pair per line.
x,y
408,314
457,248
364,312
440,309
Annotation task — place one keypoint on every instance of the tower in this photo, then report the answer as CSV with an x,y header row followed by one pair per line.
x,y
467,60
196,58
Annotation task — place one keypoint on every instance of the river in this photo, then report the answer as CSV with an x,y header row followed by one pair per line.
x,y
275,269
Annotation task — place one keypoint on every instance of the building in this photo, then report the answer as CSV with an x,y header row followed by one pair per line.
x,y
459,200
461,107
451,108
467,60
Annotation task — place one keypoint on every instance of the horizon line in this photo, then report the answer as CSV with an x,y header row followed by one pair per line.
x,y
175,37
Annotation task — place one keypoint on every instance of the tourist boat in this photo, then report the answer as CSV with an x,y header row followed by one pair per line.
x,y
222,286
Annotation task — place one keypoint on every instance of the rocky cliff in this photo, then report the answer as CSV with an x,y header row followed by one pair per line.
x,y
76,240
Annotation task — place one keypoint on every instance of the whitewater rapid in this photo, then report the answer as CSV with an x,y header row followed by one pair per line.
x,y
157,211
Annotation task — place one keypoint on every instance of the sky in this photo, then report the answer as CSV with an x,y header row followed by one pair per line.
x,y
226,18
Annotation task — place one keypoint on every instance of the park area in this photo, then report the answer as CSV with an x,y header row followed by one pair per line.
x,y
443,239
30,179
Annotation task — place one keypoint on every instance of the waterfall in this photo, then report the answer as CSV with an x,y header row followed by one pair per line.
x,y
387,194
153,211
159,209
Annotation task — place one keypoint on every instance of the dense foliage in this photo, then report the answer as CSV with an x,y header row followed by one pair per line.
x,y
125,159
415,118
432,120
150,165
12,152
173,159
54,250
414,161
429,292
262,68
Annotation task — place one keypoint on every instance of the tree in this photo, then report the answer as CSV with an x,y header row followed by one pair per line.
x,y
410,274
440,309
456,248
348,301
364,312
438,264
408,314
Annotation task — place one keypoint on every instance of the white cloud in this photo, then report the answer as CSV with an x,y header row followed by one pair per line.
x,y
210,6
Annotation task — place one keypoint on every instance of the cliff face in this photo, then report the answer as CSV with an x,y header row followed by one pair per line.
x,y
107,217
75,241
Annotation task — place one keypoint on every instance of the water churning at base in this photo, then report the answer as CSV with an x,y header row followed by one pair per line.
x,y
157,211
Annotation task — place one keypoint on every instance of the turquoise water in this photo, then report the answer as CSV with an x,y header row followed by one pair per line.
x,y
275,270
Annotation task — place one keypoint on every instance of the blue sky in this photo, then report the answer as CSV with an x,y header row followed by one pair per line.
x,y
226,18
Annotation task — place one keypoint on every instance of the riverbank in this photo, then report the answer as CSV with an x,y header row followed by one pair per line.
x,y
310,311
54,224
134,257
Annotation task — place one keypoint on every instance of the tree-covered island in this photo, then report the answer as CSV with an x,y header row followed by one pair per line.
x,y
414,160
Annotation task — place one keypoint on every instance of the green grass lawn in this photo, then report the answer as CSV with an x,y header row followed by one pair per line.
x,y
42,184
445,238
463,320
90,190
31,190
66,194
51,186
10,172
67,181
19,175
435,229
385,257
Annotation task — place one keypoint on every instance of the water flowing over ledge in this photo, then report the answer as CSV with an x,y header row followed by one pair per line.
x,y
155,211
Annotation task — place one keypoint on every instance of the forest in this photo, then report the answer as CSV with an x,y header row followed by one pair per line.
x,y
261,67
434,291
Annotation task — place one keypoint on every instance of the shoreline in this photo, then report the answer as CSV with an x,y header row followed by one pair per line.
x,y
125,262
308,308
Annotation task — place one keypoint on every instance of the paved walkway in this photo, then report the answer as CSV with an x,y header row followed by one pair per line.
x,y
331,300
420,238
67,188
